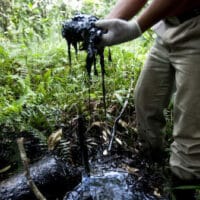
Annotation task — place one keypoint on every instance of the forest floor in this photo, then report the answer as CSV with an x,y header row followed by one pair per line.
x,y
147,177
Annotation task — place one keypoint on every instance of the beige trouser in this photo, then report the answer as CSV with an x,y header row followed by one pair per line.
x,y
173,66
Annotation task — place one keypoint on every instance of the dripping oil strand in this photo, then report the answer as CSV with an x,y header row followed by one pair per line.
x,y
69,53
83,145
81,29
103,80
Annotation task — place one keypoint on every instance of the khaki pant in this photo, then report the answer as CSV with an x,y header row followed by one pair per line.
x,y
173,67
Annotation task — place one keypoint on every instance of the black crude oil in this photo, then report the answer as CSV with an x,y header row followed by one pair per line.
x,y
81,31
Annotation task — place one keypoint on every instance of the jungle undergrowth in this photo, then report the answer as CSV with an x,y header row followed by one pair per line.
x,y
39,90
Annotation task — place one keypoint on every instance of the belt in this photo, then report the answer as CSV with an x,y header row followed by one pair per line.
x,y
175,20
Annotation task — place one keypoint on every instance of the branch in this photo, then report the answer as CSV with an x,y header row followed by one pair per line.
x,y
119,116
25,162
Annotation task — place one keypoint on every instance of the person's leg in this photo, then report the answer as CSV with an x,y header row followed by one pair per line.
x,y
184,41
185,157
152,95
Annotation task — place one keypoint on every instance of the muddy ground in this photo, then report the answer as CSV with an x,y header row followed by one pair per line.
x,y
145,177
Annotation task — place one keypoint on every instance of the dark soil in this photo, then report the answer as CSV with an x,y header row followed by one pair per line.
x,y
145,177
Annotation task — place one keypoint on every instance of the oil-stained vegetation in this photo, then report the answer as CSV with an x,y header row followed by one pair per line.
x,y
44,87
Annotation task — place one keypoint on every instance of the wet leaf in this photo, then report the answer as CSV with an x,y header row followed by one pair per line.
x,y
53,139
130,170
5,169
156,192
118,141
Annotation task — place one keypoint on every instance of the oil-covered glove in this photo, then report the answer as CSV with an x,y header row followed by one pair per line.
x,y
117,31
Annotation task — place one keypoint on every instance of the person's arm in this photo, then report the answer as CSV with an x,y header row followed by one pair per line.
x,y
119,30
115,24
126,9
159,9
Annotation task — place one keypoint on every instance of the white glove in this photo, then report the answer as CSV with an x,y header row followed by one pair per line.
x,y
118,31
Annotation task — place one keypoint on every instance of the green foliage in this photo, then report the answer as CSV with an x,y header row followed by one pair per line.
x,y
39,91
98,8
38,88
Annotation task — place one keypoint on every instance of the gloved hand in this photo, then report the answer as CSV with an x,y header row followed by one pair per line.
x,y
117,31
